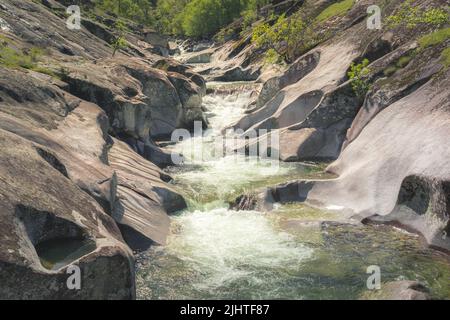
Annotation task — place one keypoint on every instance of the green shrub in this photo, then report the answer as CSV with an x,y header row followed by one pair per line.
x,y
272,57
250,14
45,70
248,18
141,11
410,16
358,76
434,38
336,9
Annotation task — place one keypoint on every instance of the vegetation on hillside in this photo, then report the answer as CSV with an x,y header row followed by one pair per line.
x,y
194,18
17,58
411,15
140,11
336,9
434,38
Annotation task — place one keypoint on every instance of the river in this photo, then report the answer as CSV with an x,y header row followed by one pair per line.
x,y
294,252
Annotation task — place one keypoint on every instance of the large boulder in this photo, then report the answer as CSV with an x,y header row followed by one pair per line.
x,y
142,102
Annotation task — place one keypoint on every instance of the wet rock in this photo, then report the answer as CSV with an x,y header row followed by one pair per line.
x,y
399,290
259,201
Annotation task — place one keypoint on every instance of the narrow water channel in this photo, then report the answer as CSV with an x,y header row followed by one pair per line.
x,y
295,252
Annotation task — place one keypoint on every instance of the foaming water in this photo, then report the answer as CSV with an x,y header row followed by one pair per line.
x,y
225,109
291,253
230,248
211,174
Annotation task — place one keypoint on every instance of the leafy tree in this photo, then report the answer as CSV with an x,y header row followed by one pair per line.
x,y
169,14
195,18
119,42
206,17
250,14
287,37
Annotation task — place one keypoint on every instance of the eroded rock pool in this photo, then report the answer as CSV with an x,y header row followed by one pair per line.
x,y
294,252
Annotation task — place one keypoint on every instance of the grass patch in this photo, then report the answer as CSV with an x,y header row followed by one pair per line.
x,y
403,61
445,57
389,71
335,9
434,38
45,70
14,58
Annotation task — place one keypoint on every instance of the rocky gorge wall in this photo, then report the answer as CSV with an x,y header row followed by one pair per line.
x,y
79,163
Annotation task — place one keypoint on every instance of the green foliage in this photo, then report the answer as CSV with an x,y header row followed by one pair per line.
x,y
287,37
206,17
250,14
358,76
410,16
389,71
140,11
399,64
169,16
63,72
195,18
248,18
434,38
272,57
11,57
336,9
